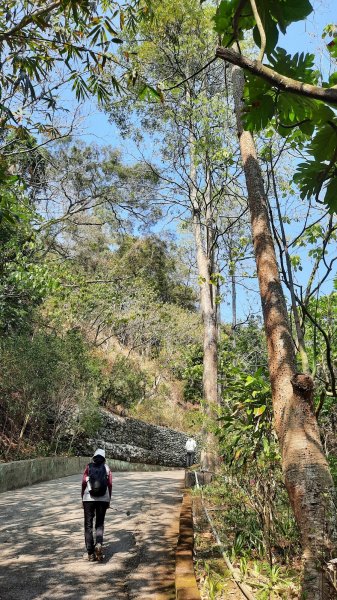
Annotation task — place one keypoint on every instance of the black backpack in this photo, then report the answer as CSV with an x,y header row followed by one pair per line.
x,y
98,480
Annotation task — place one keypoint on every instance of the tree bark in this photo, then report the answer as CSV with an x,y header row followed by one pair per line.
x,y
208,312
205,263
306,472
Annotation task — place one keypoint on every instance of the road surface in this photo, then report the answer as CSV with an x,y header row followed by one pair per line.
x,y
42,542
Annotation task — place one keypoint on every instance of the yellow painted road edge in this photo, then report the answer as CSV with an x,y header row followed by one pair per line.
x,y
185,581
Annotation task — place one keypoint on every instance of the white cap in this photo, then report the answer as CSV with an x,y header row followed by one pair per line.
x,y
100,452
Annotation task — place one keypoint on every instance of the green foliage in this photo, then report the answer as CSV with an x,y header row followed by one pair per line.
x,y
258,523
260,104
256,500
290,110
191,372
293,116
271,581
214,584
244,348
324,310
149,94
81,35
333,467
126,384
193,421
231,21
246,432
223,20
300,66
331,31
153,261
24,275
320,172
49,385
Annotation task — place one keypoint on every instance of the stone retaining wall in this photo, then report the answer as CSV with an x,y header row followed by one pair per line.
x,y
131,444
21,473
132,440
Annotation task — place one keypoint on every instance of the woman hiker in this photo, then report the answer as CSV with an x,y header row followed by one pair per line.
x,y
96,497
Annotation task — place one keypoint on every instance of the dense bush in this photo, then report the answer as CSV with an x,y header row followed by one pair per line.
x,y
126,384
49,384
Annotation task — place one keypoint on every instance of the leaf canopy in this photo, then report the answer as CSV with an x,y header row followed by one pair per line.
x,y
303,119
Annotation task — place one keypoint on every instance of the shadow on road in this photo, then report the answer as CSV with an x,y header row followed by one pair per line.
x,y
42,542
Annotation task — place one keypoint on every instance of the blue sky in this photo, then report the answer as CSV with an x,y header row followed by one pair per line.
x,y
303,36
300,37
306,35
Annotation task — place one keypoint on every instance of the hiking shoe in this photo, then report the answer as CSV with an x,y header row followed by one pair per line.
x,y
99,552
91,558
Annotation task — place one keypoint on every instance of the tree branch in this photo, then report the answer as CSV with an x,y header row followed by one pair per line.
x,y
260,28
282,82
173,87
28,19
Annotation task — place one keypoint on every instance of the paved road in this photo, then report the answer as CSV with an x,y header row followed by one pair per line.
x,y
42,553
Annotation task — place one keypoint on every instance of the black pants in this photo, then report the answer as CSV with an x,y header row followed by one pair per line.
x,y
189,459
94,509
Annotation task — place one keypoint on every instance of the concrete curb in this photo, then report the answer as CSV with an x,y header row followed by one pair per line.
x,y
20,473
186,585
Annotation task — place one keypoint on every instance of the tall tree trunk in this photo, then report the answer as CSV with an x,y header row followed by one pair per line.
x,y
205,263
208,312
306,472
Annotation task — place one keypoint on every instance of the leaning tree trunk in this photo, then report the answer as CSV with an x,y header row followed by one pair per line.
x,y
306,472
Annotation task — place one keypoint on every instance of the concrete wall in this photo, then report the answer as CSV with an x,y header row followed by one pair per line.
x,y
26,472
131,440
21,473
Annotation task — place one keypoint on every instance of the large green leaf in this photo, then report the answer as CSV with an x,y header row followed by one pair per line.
x,y
292,109
299,66
288,11
308,177
275,15
307,127
223,17
324,143
296,10
259,113
331,195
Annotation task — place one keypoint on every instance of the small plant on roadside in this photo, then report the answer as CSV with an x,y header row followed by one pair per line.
x,y
243,566
271,582
213,584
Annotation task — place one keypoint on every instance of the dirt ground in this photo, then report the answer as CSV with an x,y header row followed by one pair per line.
x,y
42,541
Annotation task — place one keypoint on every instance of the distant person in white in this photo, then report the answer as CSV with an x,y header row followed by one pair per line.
x,y
190,447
